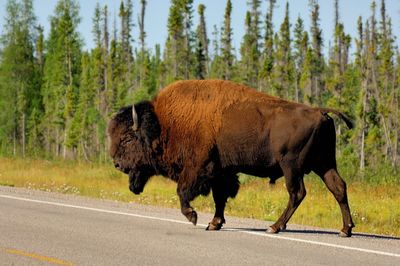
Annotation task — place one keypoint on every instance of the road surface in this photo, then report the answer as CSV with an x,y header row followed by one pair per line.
x,y
39,228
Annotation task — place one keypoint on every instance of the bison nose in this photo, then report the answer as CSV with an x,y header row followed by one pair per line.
x,y
116,165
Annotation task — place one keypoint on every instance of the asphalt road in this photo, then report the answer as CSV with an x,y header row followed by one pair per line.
x,y
39,228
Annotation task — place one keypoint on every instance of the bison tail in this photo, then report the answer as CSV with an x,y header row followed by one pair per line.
x,y
347,120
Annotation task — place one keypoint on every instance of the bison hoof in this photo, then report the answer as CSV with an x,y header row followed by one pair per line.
x,y
192,217
346,231
282,227
344,234
272,230
215,224
213,227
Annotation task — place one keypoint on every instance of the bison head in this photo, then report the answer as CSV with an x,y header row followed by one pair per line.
x,y
132,134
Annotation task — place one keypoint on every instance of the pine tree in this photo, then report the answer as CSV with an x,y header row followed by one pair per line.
x,y
126,16
96,30
126,80
337,63
61,78
317,56
87,114
267,61
35,135
118,73
396,115
8,95
40,47
359,41
142,32
216,59
250,52
386,83
143,60
188,37
18,83
201,51
175,48
148,66
284,66
159,69
227,57
107,69
301,47
368,104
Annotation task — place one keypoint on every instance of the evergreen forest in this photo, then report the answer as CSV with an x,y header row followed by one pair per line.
x,y
56,97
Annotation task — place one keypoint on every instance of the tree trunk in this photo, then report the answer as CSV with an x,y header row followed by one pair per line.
x,y
362,154
362,150
15,142
23,133
65,145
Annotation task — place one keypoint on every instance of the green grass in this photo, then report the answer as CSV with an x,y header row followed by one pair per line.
x,y
375,207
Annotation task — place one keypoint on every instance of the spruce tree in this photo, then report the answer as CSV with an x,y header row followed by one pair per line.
x,y
267,59
227,57
143,61
186,7
368,102
284,65
338,61
300,45
142,32
127,80
249,50
317,56
201,52
107,68
386,83
216,59
19,89
96,30
175,46
35,134
61,78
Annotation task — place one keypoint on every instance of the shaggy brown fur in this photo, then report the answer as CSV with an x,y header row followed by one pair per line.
x,y
208,131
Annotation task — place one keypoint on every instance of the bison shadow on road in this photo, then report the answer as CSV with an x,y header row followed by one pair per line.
x,y
313,232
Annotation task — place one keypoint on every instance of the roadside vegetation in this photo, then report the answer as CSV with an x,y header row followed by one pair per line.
x,y
374,205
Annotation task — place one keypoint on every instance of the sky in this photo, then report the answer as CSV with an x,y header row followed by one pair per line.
x,y
157,14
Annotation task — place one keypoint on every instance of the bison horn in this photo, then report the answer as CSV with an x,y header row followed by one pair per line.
x,y
134,118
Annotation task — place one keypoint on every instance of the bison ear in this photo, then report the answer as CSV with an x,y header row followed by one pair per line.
x,y
149,127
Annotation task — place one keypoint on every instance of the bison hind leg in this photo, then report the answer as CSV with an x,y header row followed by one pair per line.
x,y
337,186
297,192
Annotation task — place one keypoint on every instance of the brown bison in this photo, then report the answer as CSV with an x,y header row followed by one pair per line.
x,y
201,134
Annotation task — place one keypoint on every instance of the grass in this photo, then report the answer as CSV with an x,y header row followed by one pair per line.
x,y
375,207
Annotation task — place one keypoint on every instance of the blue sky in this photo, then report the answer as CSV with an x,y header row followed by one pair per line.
x,y
157,13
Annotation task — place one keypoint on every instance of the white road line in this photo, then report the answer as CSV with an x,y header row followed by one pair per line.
x,y
203,225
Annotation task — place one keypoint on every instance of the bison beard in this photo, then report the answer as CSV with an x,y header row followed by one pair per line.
x,y
137,180
201,134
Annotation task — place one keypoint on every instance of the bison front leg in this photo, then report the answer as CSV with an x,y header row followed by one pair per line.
x,y
223,187
297,192
185,197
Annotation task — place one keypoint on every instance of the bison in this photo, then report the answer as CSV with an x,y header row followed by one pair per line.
x,y
201,134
